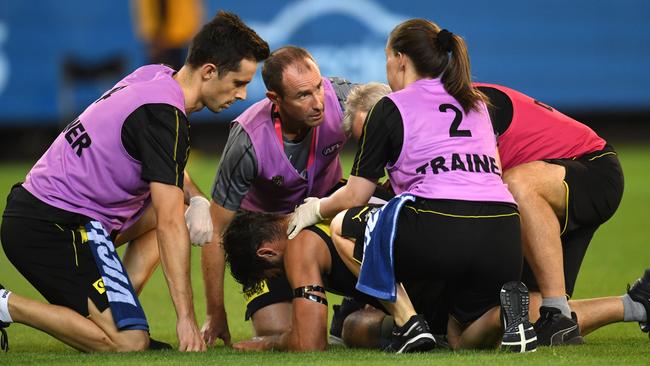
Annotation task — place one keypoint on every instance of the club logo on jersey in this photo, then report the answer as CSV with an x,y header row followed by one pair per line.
x,y
99,286
278,180
332,148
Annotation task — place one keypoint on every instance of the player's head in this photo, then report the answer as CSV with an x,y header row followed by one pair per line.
x,y
254,246
421,45
293,82
225,52
360,100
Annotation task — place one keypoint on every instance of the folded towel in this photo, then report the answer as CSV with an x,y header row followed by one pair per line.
x,y
377,274
126,309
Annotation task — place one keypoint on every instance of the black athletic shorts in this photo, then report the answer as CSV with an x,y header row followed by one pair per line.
x,y
459,253
44,243
594,184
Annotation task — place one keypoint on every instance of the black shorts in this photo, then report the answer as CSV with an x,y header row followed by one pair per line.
x,y
595,187
430,298
462,251
49,252
267,292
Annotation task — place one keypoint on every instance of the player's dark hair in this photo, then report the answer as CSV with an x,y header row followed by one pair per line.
x,y
280,59
434,53
245,234
225,41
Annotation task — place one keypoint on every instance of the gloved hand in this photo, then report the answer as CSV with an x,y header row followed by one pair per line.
x,y
304,215
199,221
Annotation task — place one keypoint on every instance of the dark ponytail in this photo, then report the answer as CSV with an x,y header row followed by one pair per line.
x,y
457,77
436,52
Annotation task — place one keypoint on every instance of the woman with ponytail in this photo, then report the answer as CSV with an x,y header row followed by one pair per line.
x,y
453,225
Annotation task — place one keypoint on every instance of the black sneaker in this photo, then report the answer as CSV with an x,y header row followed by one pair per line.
x,y
155,345
347,307
4,339
414,336
555,329
518,334
640,292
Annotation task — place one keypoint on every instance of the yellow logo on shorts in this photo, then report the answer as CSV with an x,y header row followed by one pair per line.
x,y
99,286
261,288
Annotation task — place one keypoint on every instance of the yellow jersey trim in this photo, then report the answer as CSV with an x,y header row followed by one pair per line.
x,y
176,144
363,143
462,216
251,295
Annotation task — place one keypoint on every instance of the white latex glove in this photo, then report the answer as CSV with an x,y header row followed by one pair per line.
x,y
304,215
199,221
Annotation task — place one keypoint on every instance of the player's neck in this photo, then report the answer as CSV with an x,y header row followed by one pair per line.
x,y
185,77
293,130
410,76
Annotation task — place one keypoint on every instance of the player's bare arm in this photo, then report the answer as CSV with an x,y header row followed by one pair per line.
x,y
306,259
173,242
213,267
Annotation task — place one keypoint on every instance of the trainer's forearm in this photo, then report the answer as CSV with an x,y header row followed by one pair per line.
x,y
213,268
213,259
356,192
174,246
190,189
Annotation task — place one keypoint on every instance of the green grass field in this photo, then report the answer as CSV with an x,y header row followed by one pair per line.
x,y
618,255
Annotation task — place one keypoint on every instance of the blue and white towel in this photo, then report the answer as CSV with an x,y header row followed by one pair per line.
x,y
377,274
125,306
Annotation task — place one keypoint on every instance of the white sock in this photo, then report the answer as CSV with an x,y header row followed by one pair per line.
x,y
633,311
559,302
4,306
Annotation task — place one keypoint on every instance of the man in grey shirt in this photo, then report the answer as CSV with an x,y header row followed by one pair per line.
x,y
238,166
298,100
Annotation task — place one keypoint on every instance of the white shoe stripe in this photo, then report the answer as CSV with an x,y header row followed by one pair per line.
x,y
410,329
564,332
418,337
522,342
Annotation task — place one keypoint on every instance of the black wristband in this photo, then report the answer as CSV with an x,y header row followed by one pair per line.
x,y
303,292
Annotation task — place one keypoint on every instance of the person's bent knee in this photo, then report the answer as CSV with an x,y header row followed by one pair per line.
x,y
273,319
336,226
132,341
523,180
336,229
520,176
533,174
536,183
125,341
367,328
112,339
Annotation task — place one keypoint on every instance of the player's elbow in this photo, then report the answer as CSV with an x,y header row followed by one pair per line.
x,y
358,192
307,341
355,197
169,219
358,200
171,226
